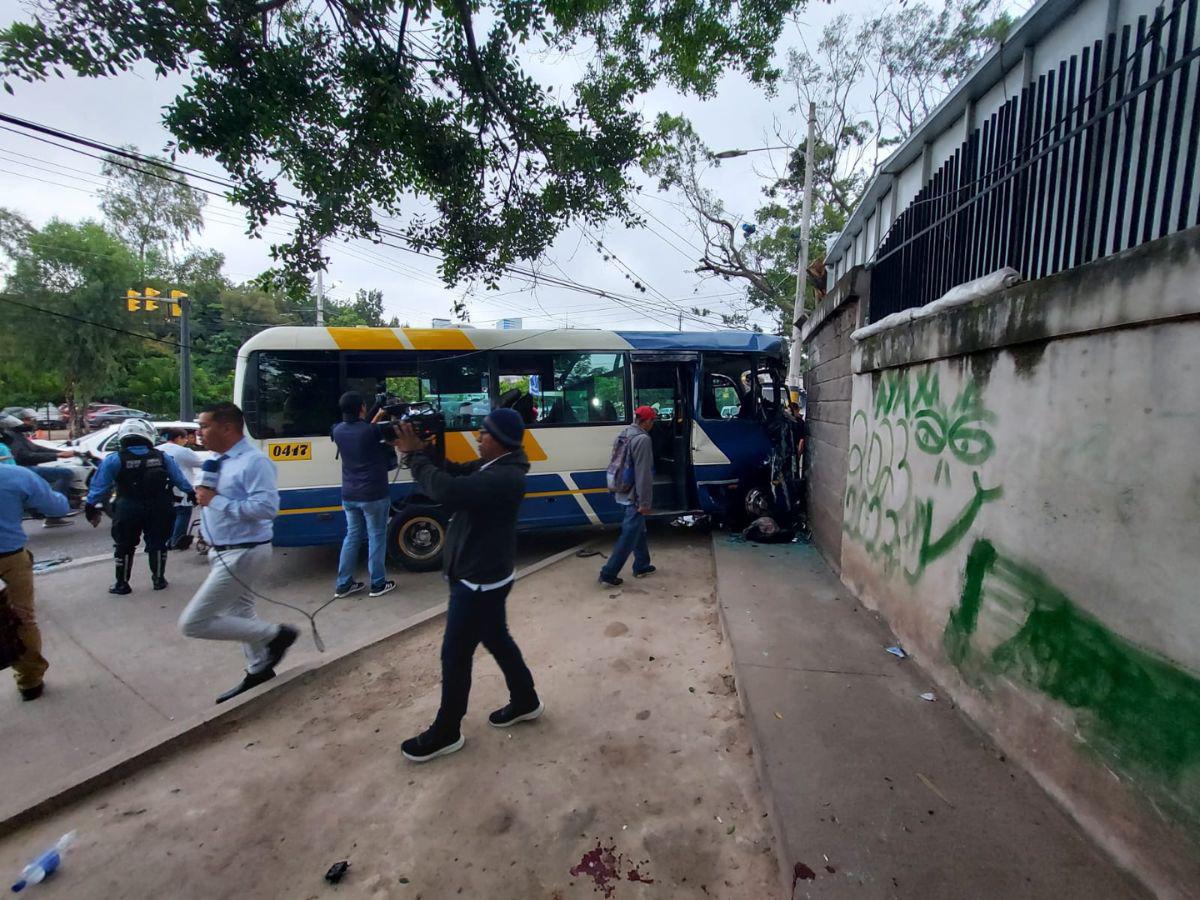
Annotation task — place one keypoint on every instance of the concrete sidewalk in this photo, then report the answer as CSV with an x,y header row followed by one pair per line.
x,y
873,791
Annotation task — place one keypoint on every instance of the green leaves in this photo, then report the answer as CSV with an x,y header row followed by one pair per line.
x,y
339,113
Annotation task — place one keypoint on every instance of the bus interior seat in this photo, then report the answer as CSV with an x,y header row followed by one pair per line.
x,y
508,398
559,412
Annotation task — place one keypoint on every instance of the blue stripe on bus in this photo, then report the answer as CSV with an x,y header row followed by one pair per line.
x,y
715,340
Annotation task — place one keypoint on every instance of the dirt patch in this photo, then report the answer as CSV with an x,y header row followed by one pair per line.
x,y
653,780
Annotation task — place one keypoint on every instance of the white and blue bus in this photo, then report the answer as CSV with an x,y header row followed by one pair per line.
x,y
576,390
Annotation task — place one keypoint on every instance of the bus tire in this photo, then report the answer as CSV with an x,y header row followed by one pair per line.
x,y
416,536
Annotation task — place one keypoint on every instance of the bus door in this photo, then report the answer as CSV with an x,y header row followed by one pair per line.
x,y
666,385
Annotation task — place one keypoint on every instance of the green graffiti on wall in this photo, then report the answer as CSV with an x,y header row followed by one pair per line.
x,y
1137,708
901,527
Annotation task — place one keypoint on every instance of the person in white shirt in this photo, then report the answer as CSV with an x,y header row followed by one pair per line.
x,y
178,446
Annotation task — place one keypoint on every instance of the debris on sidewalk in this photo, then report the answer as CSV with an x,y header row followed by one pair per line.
x,y
45,565
925,780
337,871
779,715
604,864
930,696
897,652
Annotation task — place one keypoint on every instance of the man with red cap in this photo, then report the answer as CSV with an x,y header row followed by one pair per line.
x,y
631,479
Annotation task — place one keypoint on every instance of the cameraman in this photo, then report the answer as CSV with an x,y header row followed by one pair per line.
x,y
366,455
481,545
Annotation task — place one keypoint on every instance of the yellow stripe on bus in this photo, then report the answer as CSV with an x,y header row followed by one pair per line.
x,y
366,339
460,450
309,509
439,339
565,493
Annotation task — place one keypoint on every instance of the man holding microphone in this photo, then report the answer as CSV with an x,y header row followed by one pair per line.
x,y
240,501
478,561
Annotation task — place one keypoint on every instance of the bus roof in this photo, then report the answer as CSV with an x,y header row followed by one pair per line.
x,y
290,337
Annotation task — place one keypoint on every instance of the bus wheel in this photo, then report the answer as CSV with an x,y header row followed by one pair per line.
x,y
415,540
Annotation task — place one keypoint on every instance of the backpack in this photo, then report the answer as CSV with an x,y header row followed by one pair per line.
x,y
621,475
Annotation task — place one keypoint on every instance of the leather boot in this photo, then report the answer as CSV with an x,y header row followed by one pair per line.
x,y
158,568
124,565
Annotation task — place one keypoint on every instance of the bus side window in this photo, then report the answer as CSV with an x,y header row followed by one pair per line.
x,y
298,393
457,384
725,389
564,388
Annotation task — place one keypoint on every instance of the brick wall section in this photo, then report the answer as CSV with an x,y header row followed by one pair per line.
x,y
828,384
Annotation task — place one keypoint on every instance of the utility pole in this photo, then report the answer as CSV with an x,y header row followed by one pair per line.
x,y
798,313
320,298
681,320
186,413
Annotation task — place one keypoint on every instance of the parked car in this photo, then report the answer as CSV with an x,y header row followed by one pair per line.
x,y
116,415
48,416
103,442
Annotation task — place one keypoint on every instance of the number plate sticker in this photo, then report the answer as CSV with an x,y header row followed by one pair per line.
x,y
292,451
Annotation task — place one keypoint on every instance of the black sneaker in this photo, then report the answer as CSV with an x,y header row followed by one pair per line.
x,y
249,681
159,584
429,745
642,573
353,588
121,587
611,580
512,714
386,588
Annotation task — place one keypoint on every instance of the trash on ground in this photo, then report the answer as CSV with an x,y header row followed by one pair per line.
x,y
765,530
689,521
930,696
731,829
897,652
336,871
925,780
779,715
44,565
45,865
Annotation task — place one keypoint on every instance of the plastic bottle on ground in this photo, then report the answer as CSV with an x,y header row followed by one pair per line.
x,y
46,864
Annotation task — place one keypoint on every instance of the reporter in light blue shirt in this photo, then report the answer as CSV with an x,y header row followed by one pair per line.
x,y
238,493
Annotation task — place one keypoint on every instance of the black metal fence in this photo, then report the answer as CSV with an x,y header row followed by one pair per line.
x,y
1091,159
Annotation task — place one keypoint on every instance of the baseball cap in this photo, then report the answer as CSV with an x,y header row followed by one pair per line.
x,y
646,413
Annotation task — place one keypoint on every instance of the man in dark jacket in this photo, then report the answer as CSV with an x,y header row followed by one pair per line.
x,y
26,452
478,560
366,456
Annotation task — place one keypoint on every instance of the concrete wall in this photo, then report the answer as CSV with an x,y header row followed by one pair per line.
x,y
827,343
1022,502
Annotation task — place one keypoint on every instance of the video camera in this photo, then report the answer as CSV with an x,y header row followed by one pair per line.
x,y
426,419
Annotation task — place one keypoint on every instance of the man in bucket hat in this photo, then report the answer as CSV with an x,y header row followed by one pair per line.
x,y
484,497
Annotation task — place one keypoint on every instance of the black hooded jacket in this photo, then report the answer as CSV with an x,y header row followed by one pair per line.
x,y
481,544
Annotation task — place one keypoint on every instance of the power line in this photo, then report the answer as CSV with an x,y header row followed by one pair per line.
x,y
6,298
565,283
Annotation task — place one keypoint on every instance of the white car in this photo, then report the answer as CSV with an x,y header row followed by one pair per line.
x,y
103,442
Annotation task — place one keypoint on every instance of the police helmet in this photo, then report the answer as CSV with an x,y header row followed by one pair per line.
x,y
10,421
136,430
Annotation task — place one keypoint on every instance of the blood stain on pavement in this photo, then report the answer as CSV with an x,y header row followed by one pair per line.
x,y
604,864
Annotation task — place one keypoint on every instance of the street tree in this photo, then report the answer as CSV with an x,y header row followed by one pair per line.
x,y
68,317
151,208
343,112
872,80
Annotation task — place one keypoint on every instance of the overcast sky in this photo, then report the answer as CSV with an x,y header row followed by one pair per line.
x,y
43,182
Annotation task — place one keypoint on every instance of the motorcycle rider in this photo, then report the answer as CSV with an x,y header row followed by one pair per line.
x,y
15,433
143,477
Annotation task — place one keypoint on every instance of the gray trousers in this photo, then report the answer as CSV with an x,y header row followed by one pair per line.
x,y
223,608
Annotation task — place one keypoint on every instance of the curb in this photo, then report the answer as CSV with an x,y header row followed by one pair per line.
x,y
787,887
193,729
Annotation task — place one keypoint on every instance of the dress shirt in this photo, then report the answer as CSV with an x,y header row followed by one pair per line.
x,y
247,499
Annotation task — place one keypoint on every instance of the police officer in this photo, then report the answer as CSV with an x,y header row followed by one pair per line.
x,y
143,477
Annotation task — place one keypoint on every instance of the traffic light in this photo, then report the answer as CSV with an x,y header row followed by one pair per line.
x,y
133,304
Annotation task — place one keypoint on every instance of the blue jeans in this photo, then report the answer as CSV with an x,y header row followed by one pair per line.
x,y
474,618
365,520
631,540
183,518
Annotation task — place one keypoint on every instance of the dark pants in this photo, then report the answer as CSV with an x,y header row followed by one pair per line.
x,y
179,530
631,540
132,519
59,478
474,618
